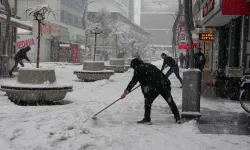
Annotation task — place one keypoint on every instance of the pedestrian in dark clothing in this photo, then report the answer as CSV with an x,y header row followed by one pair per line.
x,y
153,82
21,54
137,55
170,62
187,60
182,59
200,60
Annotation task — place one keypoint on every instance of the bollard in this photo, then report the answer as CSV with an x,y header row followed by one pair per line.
x,y
191,94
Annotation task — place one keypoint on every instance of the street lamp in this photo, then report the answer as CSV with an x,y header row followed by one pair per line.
x,y
95,29
84,21
84,18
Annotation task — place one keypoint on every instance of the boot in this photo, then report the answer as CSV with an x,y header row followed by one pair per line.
x,y
178,120
144,121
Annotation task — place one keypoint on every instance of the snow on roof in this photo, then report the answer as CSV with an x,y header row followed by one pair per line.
x,y
20,31
18,21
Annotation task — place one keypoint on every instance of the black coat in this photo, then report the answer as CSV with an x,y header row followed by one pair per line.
x,y
200,60
22,54
148,75
169,61
181,58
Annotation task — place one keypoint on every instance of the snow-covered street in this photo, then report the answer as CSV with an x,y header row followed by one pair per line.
x,y
63,127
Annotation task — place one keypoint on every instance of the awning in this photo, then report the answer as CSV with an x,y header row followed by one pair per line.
x,y
64,45
16,22
187,46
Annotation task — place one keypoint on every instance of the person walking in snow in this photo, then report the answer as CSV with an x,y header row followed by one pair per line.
x,y
187,59
153,82
170,62
21,54
182,59
200,60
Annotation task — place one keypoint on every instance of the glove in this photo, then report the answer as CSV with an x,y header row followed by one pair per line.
x,y
124,95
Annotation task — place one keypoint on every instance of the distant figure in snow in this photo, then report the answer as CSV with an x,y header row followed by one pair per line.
x,y
200,60
170,62
153,82
137,55
187,60
21,54
182,59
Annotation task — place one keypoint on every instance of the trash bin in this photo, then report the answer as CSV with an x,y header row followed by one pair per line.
x,y
191,93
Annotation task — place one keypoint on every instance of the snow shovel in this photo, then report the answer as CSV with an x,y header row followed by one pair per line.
x,y
94,117
32,64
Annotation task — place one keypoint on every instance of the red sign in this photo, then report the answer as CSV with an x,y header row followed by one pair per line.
x,y
187,46
75,53
208,7
182,18
235,7
25,43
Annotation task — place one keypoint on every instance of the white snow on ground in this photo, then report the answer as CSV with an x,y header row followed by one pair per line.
x,y
64,127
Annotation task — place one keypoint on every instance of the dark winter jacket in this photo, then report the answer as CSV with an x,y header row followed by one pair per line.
x,y
22,54
200,60
148,75
181,58
170,62
187,59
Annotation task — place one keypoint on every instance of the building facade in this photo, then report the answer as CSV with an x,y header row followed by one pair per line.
x,y
7,53
157,17
119,6
227,52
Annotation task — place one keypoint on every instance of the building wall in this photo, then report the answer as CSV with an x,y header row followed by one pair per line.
x,y
158,18
69,13
120,6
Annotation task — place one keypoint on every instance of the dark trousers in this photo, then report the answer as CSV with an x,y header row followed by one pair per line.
x,y
150,94
181,64
174,70
16,64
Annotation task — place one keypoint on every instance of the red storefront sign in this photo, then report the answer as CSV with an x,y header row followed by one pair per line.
x,y
24,43
187,46
235,7
75,53
208,7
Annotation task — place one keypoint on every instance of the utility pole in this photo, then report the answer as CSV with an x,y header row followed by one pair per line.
x,y
85,22
190,96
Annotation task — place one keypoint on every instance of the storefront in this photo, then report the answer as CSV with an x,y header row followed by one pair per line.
x,y
7,57
224,54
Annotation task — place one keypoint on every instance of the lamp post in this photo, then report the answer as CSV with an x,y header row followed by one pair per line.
x,y
84,21
95,29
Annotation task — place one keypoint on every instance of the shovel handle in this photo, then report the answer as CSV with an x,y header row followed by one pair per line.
x,y
114,102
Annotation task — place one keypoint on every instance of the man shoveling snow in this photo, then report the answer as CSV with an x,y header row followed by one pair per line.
x,y
153,82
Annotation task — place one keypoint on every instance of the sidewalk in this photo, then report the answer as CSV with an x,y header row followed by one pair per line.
x,y
221,122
